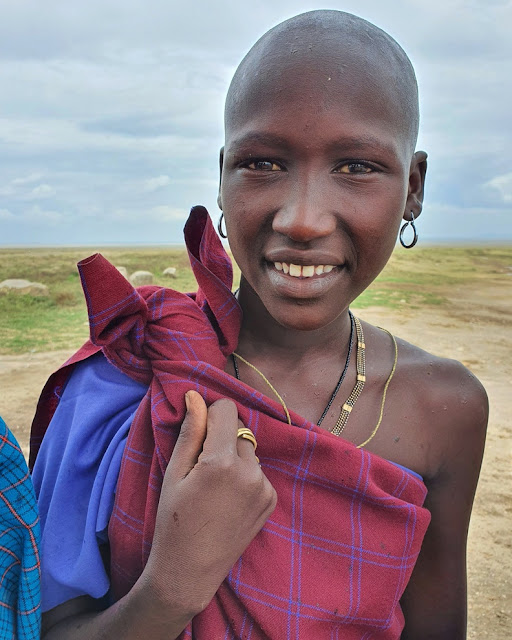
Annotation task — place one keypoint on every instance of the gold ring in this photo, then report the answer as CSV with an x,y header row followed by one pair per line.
x,y
247,434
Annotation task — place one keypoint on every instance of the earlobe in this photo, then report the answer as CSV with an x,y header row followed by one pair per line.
x,y
417,174
415,233
221,164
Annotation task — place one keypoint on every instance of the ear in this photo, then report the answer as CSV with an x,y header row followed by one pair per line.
x,y
417,174
221,164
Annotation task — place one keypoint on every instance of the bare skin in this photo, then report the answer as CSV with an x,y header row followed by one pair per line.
x,y
311,181
434,423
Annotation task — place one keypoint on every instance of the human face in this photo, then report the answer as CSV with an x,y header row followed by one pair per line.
x,y
316,178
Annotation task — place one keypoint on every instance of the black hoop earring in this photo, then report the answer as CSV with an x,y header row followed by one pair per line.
x,y
404,227
219,227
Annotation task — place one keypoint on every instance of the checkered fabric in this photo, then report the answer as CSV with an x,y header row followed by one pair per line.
x,y
335,556
20,594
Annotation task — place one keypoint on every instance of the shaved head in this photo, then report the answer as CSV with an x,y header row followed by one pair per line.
x,y
323,51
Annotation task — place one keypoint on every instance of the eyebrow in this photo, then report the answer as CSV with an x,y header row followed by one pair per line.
x,y
265,139
355,144
363,143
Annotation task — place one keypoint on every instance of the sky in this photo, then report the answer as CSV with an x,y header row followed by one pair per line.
x,y
111,112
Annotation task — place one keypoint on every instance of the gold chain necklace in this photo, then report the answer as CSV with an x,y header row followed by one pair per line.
x,y
348,406
336,388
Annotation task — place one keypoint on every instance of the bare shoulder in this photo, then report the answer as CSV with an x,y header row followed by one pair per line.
x,y
451,404
441,379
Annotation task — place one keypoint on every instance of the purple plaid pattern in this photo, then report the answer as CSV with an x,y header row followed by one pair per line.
x,y
335,556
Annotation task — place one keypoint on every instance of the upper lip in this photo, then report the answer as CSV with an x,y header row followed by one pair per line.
x,y
303,258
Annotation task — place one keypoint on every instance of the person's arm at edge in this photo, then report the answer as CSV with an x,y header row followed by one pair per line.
x,y
435,600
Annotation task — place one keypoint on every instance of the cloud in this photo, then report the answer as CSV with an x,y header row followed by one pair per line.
x,y
165,213
503,184
39,216
17,189
156,214
154,184
109,109
5,214
33,177
40,192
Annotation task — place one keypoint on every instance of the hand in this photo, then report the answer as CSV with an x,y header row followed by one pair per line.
x,y
214,500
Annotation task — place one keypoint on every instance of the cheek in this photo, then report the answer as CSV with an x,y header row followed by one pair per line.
x,y
374,250
245,215
241,231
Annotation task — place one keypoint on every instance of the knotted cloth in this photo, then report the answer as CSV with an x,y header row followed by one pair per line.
x,y
334,558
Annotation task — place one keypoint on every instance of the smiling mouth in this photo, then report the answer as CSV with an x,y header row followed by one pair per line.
x,y
303,271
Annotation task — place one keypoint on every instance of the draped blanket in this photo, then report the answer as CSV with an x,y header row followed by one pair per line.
x,y
335,556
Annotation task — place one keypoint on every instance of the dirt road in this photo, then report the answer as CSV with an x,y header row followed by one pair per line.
x,y
476,328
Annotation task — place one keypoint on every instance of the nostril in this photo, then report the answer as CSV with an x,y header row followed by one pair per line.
x,y
304,228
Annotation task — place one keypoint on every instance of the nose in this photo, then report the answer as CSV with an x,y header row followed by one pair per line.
x,y
305,215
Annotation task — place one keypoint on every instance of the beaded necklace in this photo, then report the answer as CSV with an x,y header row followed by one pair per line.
x,y
336,388
347,407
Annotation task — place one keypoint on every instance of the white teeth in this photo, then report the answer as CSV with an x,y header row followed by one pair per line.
x,y
306,271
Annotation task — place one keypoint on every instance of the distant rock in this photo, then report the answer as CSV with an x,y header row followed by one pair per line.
x,y
123,271
24,287
170,272
140,278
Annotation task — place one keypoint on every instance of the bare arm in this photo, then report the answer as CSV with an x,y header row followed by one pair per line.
x,y
136,615
434,602
214,500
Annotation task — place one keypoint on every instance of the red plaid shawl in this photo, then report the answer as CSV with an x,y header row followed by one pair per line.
x,y
335,556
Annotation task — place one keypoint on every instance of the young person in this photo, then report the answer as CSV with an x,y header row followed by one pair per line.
x,y
362,439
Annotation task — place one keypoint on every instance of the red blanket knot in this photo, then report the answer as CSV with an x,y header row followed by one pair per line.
x,y
143,331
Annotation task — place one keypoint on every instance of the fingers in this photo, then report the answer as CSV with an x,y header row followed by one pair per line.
x,y
245,447
191,437
211,431
222,428
221,437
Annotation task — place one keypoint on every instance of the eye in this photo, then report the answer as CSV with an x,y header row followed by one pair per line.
x,y
354,167
263,165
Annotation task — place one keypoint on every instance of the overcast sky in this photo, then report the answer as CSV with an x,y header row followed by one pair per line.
x,y
111,112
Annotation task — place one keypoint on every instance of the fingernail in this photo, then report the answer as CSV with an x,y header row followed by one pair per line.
x,y
187,401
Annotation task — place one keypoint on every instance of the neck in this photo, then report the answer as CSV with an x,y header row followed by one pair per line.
x,y
261,334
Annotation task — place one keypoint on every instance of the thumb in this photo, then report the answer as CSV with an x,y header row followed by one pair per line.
x,y
190,439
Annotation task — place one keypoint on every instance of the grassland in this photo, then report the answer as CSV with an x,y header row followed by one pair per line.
x,y
417,278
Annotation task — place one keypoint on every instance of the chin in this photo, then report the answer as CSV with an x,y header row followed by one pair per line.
x,y
304,317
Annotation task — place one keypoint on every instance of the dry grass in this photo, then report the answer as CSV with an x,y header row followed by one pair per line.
x,y
421,277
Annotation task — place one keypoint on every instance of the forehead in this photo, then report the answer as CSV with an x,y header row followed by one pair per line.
x,y
333,83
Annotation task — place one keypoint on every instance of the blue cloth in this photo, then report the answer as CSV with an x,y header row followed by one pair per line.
x,y
75,477
20,587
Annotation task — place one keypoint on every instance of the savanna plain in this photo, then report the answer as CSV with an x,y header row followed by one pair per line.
x,y
455,302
